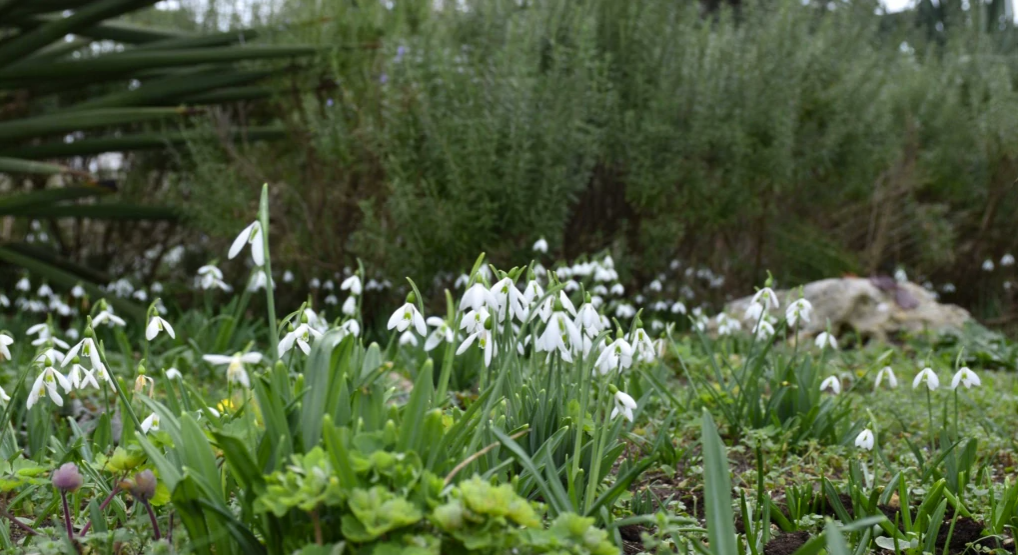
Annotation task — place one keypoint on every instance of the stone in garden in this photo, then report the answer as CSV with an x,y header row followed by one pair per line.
x,y
874,307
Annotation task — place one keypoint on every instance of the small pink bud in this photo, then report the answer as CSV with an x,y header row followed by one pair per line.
x,y
67,478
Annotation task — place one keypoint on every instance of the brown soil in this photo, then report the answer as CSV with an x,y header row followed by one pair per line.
x,y
786,543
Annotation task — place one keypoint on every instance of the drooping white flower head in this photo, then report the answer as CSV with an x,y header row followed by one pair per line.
x,y
888,374
23,285
442,332
624,405
763,330
353,284
927,376
406,316
408,338
5,346
588,320
541,245
987,265
509,300
88,349
476,297
678,308
865,440
618,355
1007,260
766,297
485,341
150,424
799,310
78,291
824,340
561,335
753,312
966,377
235,370
301,336
157,324
173,374
250,235
106,316
46,386
832,384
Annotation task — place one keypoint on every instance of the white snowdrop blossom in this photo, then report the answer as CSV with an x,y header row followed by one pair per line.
x,y
888,374
561,335
1007,260
624,405
864,440
23,285
966,377
588,320
82,377
44,290
157,324
5,346
831,383
150,424
625,310
352,284
617,289
766,297
78,291
643,346
541,245
173,374
406,316
987,265
678,308
287,276
331,300
259,281
509,300
235,370
301,336
616,356
46,385
478,296
753,312
106,316
349,306
250,235
442,332
799,310
4,396
474,320
824,340
408,338
485,341
210,277
763,330
656,285
88,349
927,376
532,292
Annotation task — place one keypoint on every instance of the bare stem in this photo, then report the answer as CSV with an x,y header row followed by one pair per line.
x,y
18,523
102,507
152,517
67,516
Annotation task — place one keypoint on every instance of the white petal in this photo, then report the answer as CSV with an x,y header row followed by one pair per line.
x,y
251,358
240,241
217,359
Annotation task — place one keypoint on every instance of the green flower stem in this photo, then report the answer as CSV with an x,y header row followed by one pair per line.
x,y
584,382
263,217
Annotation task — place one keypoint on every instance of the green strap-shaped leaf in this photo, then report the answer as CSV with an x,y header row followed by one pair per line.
x,y
112,211
95,12
129,61
17,165
168,90
14,205
74,121
135,142
717,490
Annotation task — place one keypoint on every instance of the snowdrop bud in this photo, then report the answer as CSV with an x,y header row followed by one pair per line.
x,y
489,324
411,298
612,389
832,383
67,478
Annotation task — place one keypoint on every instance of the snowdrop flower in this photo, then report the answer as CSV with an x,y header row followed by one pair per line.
x,y
987,265
864,440
1007,260
766,297
474,320
763,330
44,290
4,396
50,356
349,305
532,292
351,327
302,336
46,386
235,371
571,285
157,324
886,372
588,320
210,276
655,285
406,316
753,312
727,325
140,295
173,374
23,285
478,296
625,310
81,377
616,356
965,377
541,245
328,285
798,311
4,301
643,346
331,300
353,284
106,316
288,277
485,341
832,383
78,291
624,405
408,338
900,276
88,349
462,280
315,283
5,346
928,377
617,289
443,332
509,300
678,308
825,340
560,334
250,235
259,281
150,424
